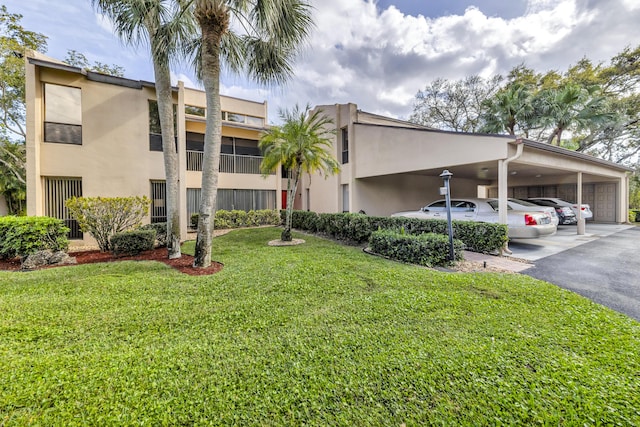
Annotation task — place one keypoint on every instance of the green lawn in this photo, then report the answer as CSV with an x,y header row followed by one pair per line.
x,y
318,334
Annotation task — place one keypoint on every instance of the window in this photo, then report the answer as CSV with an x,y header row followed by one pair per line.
x,y
56,193
242,118
233,117
255,121
62,114
345,145
193,202
158,205
345,197
195,111
245,200
155,131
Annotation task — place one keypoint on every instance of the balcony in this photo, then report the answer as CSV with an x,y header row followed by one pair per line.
x,y
229,163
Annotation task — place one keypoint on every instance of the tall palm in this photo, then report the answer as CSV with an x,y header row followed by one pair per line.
x,y
509,110
165,25
259,38
572,107
301,145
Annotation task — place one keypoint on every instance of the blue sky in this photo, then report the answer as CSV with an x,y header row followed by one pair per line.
x,y
379,53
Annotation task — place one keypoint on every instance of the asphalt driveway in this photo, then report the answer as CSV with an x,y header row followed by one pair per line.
x,y
605,270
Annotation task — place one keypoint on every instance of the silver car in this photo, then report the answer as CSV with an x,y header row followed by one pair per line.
x,y
521,224
523,205
586,209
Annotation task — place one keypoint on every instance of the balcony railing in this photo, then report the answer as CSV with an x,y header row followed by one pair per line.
x,y
229,163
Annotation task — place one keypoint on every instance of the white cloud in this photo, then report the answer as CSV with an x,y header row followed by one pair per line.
x,y
379,59
104,23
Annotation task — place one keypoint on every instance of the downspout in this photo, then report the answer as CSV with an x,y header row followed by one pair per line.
x,y
503,173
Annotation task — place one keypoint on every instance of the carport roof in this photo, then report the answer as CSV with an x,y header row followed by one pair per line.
x,y
509,139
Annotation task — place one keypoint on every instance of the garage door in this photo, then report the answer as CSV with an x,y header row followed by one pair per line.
x,y
604,209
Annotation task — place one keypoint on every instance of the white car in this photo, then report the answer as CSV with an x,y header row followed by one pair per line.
x,y
521,224
523,205
586,209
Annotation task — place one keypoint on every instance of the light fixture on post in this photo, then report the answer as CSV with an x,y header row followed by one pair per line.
x,y
445,191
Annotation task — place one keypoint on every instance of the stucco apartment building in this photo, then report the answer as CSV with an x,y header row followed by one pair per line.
x,y
90,135
390,165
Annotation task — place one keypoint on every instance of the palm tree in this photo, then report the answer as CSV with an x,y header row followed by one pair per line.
x,y
164,25
259,38
572,106
301,145
509,110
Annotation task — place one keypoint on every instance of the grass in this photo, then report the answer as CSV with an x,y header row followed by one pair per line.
x,y
318,334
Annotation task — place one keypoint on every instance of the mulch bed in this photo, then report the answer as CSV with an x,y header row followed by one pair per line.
x,y
183,264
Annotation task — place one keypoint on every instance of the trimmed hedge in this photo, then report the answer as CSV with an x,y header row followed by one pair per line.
x,y
161,232
132,242
428,249
357,228
24,235
239,219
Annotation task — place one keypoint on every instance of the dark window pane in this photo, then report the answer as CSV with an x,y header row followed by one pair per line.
x,y
345,145
155,142
61,133
195,141
154,118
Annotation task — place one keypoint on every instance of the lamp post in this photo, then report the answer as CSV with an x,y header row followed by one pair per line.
x,y
446,176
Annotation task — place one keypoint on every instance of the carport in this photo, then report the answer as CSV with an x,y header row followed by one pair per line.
x,y
390,165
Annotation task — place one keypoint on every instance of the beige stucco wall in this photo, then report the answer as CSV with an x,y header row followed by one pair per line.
x,y
114,158
393,167
387,150
384,195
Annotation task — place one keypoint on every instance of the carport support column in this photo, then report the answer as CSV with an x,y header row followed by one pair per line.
x,y
581,220
503,172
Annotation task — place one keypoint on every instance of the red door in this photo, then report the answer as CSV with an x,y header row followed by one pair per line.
x,y
284,199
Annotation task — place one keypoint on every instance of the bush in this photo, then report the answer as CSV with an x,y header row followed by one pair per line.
x,y
357,228
428,249
133,242
24,235
194,220
161,232
102,217
238,218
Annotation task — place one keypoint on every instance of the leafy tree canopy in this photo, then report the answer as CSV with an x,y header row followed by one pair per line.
x,y
77,59
590,107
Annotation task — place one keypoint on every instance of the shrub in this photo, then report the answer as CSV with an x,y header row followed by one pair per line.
x,y
161,232
102,217
133,242
24,235
428,249
194,220
239,218
357,228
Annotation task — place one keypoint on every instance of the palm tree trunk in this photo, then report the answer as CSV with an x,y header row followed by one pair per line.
x,y
165,111
212,24
291,194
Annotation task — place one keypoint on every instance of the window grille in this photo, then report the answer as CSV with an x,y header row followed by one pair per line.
x,y
158,204
56,193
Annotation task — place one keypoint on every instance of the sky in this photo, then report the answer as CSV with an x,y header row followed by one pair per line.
x,y
379,53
